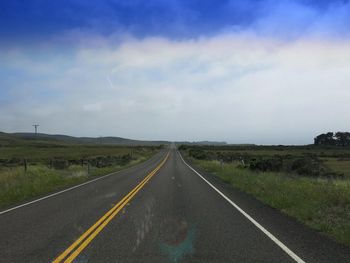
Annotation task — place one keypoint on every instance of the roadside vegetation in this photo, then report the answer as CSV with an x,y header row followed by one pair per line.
x,y
309,183
35,168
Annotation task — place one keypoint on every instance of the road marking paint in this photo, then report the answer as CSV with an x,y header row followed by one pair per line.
x,y
63,191
252,220
84,240
93,227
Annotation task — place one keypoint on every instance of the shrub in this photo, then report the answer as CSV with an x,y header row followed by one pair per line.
x,y
271,164
59,164
198,154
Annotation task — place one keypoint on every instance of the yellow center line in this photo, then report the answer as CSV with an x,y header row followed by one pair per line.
x,y
93,231
93,227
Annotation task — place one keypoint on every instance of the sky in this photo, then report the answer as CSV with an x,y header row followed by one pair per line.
x,y
243,71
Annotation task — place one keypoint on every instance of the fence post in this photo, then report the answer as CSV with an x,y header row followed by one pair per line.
x,y
25,164
242,160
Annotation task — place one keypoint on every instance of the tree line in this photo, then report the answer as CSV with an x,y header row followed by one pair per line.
x,y
331,138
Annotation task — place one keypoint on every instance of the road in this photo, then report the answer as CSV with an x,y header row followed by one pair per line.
x,y
158,211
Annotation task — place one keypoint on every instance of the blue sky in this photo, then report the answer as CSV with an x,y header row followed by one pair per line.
x,y
41,19
141,18
267,72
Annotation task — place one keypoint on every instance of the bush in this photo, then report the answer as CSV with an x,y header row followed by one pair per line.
x,y
198,154
59,164
309,166
306,166
125,159
272,164
182,147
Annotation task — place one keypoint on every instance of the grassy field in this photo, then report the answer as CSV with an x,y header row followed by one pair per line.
x,y
339,165
323,203
53,166
41,151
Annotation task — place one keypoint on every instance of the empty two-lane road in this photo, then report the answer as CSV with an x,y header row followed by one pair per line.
x,y
158,211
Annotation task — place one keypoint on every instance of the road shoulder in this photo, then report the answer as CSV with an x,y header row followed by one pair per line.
x,y
305,242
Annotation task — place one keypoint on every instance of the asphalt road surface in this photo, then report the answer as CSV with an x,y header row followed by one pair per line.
x,y
158,211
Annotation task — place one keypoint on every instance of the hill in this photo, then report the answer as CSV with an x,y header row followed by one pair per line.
x,y
24,138
110,140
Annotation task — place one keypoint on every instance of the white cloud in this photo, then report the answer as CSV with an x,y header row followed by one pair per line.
x,y
234,87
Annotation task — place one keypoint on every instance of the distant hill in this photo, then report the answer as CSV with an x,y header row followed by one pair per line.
x,y
81,140
23,137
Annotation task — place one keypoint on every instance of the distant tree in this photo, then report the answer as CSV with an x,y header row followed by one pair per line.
x,y
342,138
325,139
329,138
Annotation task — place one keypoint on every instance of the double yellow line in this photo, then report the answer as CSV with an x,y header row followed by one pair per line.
x,y
84,240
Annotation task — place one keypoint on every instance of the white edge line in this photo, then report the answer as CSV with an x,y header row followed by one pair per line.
x,y
65,190
271,236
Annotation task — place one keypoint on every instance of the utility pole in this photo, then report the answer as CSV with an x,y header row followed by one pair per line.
x,y
36,128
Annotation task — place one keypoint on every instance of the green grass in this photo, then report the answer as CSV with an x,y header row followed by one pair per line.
x,y
321,204
47,151
257,150
18,186
339,165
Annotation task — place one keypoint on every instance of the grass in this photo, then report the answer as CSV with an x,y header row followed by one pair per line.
x,y
322,204
17,186
47,151
257,150
339,165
